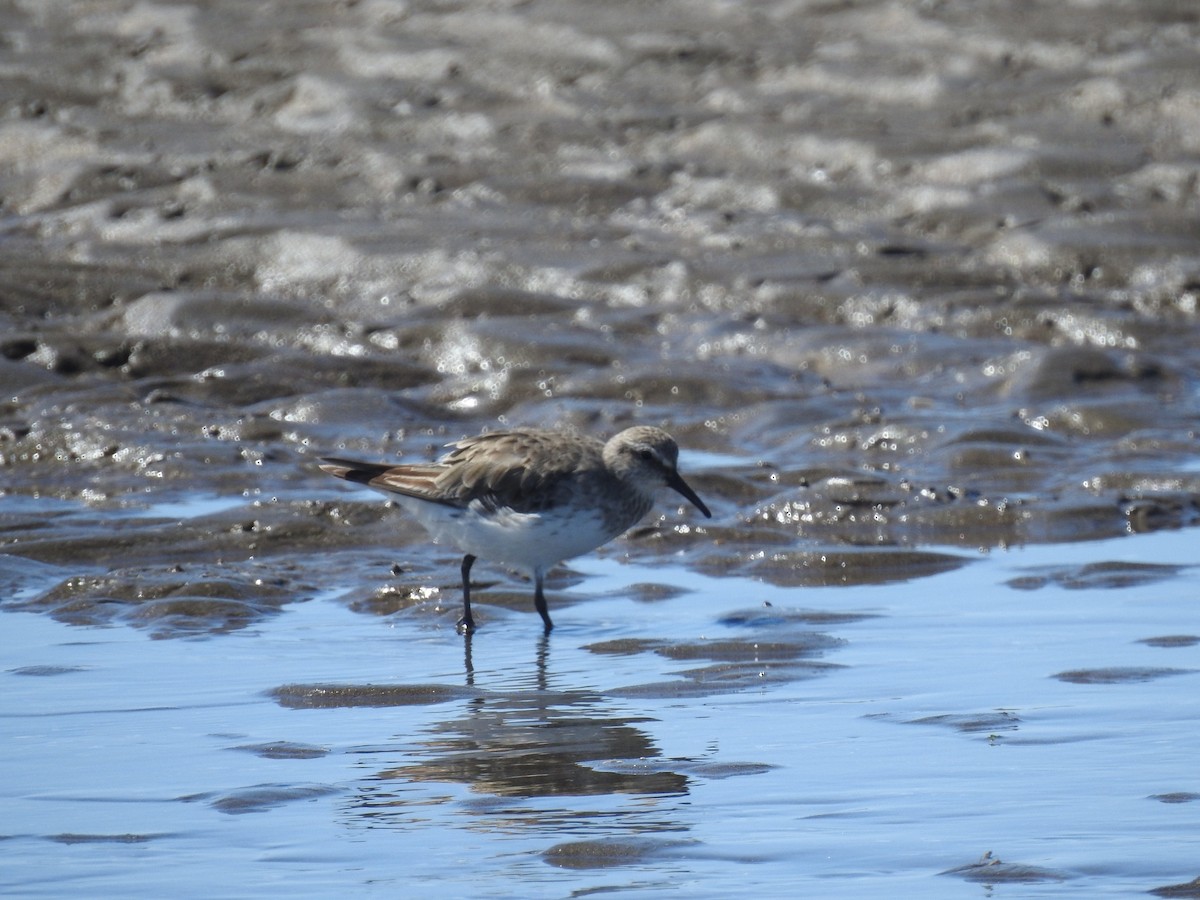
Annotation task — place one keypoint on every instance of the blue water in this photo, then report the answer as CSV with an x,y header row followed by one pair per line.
x,y
135,767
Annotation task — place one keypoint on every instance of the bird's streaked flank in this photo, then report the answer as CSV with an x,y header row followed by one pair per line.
x,y
530,499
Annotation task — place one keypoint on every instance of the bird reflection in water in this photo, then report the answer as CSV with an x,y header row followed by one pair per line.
x,y
527,741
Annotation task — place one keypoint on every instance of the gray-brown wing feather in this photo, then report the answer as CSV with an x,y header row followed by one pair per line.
x,y
527,471
415,480
523,471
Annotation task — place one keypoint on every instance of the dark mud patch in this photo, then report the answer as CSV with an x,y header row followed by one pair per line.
x,y
348,696
609,854
190,575
418,600
653,592
1120,674
624,646
1171,641
734,664
727,677
770,617
42,671
781,648
1176,797
749,651
992,722
75,838
284,750
903,511
992,870
832,566
263,797
1186,889
96,537
171,602
1109,575
182,616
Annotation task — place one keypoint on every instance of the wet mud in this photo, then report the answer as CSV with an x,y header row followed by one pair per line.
x,y
992,870
904,276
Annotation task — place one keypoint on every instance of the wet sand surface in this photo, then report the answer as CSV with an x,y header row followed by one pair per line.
x,y
914,286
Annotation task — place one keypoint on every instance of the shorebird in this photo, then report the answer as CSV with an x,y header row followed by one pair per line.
x,y
530,499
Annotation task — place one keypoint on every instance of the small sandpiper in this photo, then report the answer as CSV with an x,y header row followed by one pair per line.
x,y
530,499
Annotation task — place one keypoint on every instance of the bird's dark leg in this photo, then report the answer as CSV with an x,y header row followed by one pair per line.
x,y
539,598
466,624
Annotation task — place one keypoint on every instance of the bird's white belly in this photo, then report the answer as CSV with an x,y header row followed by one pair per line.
x,y
526,540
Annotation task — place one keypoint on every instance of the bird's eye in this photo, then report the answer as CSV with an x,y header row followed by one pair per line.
x,y
645,455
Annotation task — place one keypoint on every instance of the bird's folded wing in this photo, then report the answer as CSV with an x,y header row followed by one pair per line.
x,y
414,480
524,472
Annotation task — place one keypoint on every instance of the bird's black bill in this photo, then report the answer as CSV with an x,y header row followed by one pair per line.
x,y
677,483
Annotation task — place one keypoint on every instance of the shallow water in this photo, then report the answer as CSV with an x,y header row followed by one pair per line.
x,y
840,741
914,285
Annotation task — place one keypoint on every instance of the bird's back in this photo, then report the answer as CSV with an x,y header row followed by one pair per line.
x,y
526,471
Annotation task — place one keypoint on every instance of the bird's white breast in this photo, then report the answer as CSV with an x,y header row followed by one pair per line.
x,y
526,540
